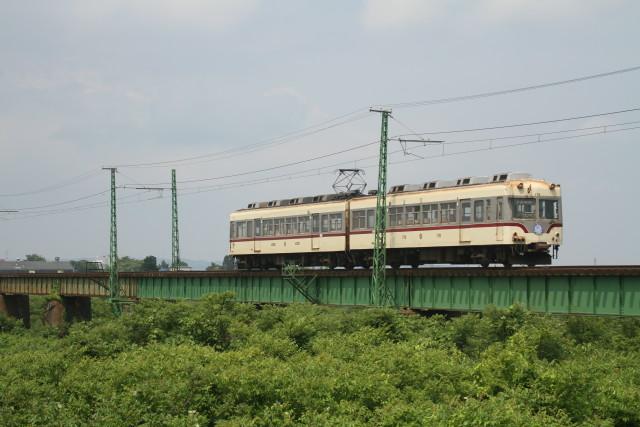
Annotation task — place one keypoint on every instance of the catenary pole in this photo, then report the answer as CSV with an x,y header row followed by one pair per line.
x,y
380,291
114,284
175,237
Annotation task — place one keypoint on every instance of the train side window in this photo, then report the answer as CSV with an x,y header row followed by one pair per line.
x,y
315,223
371,218
448,212
499,209
267,226
478,211
413,215
465,211
303,224
395,216
257,227
277,227
336,222
325,223
249,228
358,220
232,230
241,230
429,214
289,225
488,209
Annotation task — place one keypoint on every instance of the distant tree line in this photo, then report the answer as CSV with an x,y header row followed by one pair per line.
x,y
129,264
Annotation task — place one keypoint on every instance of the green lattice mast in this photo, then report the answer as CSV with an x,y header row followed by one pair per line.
x,y
114,284
380,292
175,237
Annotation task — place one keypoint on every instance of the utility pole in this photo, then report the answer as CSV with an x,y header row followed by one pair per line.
x,y
114,284
380,292
175,240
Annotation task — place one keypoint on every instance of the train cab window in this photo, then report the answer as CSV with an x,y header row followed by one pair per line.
x,y
232,230
257,227
499,209
412,215
371,218
549,209
465,211
488,209
430,214
358,220
249,228
478,211
278,226
315,223
395,216
325,223
335,222
523,208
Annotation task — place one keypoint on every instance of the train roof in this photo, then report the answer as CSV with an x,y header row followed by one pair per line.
x,y
498,178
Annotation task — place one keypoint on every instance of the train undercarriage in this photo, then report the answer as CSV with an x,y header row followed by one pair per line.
x,y
530,255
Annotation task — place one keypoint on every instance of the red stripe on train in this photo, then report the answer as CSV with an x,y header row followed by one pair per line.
x,y
399,230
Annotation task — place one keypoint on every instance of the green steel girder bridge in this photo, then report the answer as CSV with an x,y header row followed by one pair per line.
x,y
606,290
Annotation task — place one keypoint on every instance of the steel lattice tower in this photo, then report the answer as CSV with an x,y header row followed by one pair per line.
x,y
380,292
114,284
175,237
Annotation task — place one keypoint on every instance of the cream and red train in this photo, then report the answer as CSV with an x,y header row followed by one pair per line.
x,y
506,218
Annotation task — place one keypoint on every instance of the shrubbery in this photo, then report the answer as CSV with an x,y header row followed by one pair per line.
x,y
218,362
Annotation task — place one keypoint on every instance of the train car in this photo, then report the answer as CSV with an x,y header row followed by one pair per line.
x,y
505,218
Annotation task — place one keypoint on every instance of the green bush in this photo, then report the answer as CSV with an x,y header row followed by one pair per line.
x,y
219,362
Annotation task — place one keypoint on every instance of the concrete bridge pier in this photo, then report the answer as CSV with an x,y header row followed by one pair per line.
x,y
16,306
67,309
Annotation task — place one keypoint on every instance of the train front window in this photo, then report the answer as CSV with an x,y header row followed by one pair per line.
x,y
499,213
523,208
549,209
257,227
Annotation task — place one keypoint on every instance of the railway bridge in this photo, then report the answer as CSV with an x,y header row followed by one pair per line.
x,y
605,290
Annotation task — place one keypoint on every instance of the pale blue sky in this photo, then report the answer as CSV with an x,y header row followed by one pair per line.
x,y
88,84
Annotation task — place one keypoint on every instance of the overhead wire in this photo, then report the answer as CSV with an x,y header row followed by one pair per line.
x,y
542,122
267,180
65,183
510,91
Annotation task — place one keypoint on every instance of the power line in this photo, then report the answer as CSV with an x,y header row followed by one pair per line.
x,y
65,183
233,152
589,116
227,186
510,91
284,165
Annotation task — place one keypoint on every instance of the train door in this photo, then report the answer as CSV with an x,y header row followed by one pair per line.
x,y
257,232
464,220
315,232
499,219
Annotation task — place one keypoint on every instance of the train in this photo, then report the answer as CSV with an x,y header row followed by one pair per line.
x,y
506,218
